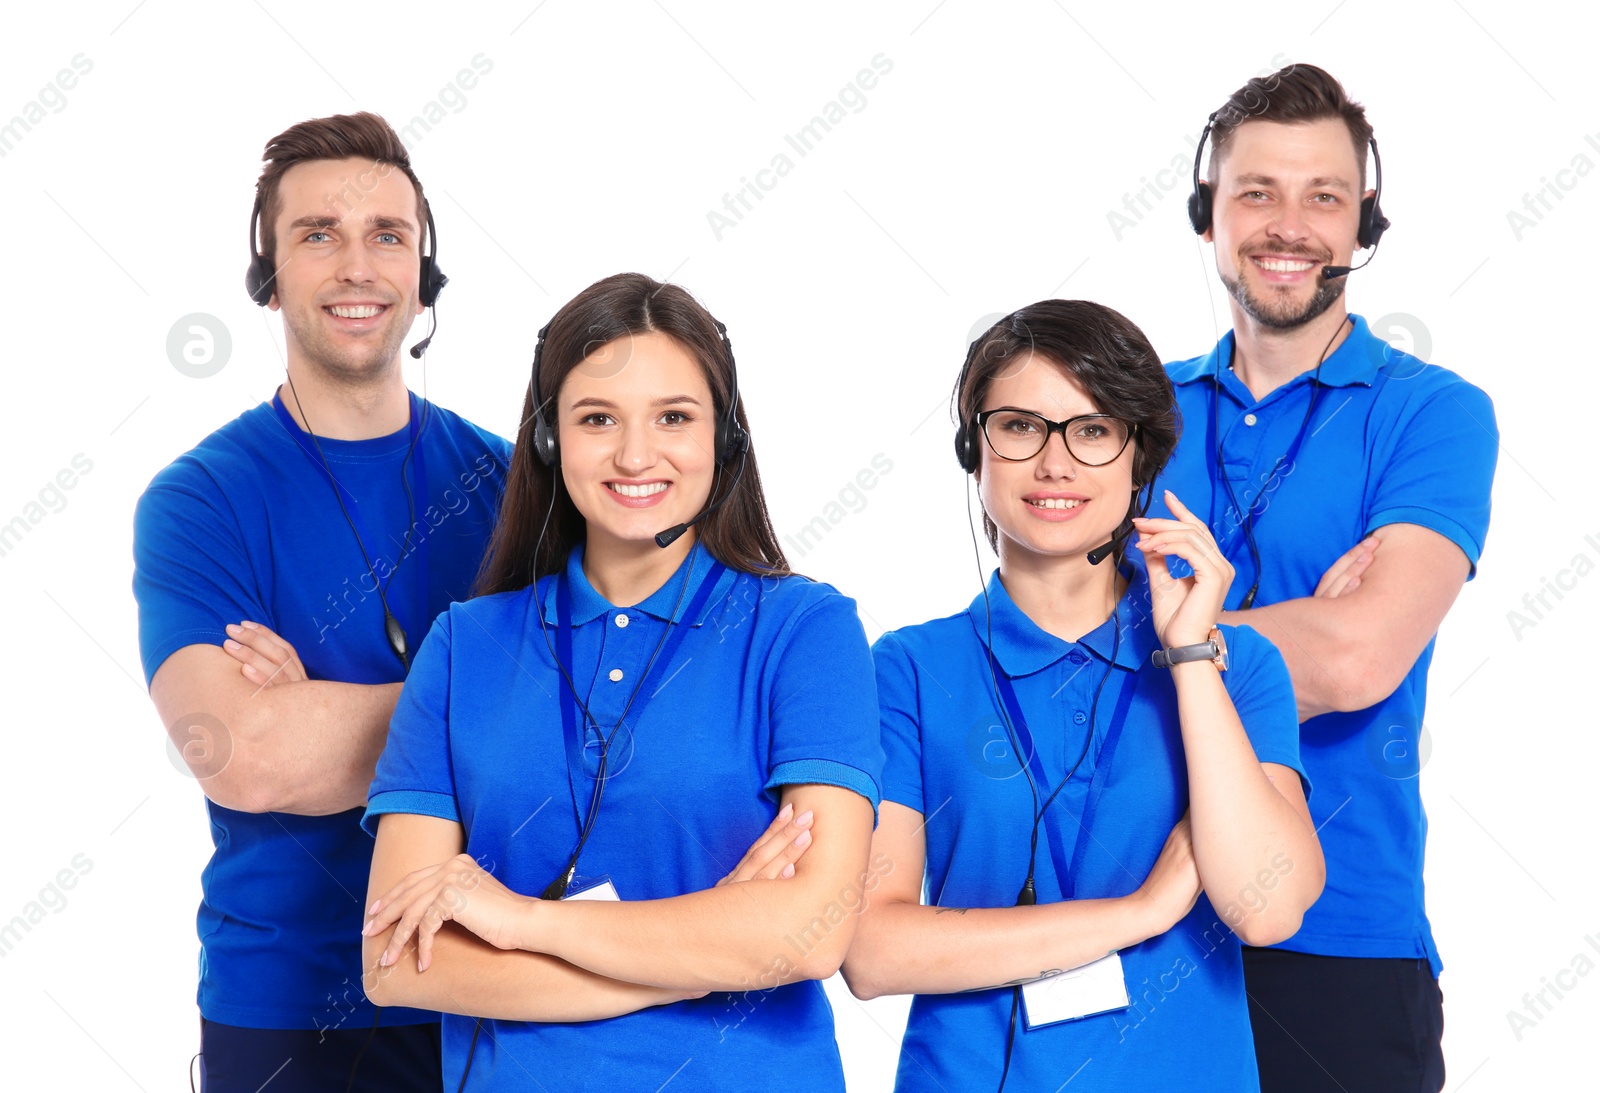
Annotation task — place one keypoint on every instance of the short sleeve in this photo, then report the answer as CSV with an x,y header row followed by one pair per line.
x,y
415,774
1262,693
1440,471
191,575
824,705
899,723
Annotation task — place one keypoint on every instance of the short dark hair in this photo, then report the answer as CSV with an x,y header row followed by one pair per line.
x,y
1291,94
342,136
739,533
1103,352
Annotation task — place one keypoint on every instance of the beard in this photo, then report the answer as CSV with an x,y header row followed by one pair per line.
x,y
354,363
1278,311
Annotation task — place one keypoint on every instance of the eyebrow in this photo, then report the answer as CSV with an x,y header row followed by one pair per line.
x,y
607,404
378,222
1321,182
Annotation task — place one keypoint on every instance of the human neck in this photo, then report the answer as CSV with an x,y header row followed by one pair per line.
x,y
1265,358
627,572
1066,597
339,410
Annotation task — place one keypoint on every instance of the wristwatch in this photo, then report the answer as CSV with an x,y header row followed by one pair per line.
x,y
1214,649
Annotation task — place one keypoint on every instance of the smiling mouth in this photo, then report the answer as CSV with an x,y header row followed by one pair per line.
x,y
363,311
1056,503
648,490
1284,265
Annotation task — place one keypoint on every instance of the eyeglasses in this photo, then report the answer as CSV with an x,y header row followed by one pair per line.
x,y
1092,439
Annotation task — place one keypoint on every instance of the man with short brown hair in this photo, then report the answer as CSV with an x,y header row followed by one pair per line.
x,y
286,569
1348,482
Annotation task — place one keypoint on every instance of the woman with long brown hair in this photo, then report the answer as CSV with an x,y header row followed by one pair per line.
x,y
581,752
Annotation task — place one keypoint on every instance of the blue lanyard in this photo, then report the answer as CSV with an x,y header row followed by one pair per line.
x,y
1214,470
570,732
352,508
1065,873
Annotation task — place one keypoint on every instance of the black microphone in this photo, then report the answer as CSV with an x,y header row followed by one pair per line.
x,y
671,535
1330,272
1101,553
433,328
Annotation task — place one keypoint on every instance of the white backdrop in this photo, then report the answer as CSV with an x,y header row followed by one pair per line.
x,y
976,174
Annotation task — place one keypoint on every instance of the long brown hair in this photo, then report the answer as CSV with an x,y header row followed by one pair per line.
x,y
739,533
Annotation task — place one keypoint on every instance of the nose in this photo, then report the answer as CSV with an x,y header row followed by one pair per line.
x,y
355,262
1289,223
1054,460
636,449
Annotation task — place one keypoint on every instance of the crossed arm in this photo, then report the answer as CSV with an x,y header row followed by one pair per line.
x,y
272,740
485,950
1352,641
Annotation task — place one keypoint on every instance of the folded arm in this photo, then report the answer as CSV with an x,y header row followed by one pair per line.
x,y
468,975
730,937
903,947
1351,650
271,742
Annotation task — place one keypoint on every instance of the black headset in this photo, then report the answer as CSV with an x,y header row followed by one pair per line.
x,y
260,276
731,438
967,451
1370,228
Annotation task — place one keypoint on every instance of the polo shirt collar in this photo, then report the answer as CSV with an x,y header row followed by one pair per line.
x,y
1357,361
1021,648
588,604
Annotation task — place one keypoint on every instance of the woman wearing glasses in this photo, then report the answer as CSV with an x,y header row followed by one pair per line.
x,y
1081,763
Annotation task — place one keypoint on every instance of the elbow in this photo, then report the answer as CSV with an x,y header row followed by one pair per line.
x,y
862,978
246,786
382,985
825,960
1364,676
1263,930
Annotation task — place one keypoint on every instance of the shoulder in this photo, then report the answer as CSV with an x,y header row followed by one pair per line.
x,y
457,430
1406,381
489,619
227,459
1190,369
926,641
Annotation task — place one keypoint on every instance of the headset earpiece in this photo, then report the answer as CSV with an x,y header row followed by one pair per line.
x,y
1373,222
731,439
967,431
259,274
432,280
1200,192
544,431
1200,208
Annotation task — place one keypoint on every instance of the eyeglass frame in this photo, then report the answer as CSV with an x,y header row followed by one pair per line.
x,y
980,421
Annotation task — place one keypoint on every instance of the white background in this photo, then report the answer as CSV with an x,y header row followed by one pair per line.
x,y
977,178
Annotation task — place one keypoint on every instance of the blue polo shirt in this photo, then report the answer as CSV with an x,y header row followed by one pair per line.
x,y
246,526
772,686
947,755
1392,440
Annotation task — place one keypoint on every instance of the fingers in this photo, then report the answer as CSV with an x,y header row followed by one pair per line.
x,y
773,855
264,658
1345,573
420,904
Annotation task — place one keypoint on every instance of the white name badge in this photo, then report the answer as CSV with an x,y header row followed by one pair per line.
x,y
1081,992
603,890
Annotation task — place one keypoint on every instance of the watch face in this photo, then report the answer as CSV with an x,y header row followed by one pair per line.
x,y
1221,660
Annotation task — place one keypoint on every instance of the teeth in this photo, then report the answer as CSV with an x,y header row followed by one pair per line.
x,y
1277,265
638,491
1056,503
366,311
